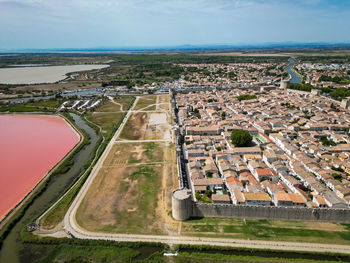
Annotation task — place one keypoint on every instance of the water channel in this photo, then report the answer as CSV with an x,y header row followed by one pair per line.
x,y
294,77
13,250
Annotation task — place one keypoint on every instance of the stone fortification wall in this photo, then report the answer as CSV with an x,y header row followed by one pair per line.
x,y
260,212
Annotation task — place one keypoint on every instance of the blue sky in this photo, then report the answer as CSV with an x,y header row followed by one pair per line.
x,y
122,23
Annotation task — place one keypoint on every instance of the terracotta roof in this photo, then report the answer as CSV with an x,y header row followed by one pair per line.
x,y
209,181
223,197
282,196
257,196
296,199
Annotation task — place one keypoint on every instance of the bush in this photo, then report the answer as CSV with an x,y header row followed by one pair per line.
x,y
241,138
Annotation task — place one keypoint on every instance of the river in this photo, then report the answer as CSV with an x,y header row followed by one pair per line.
x,y
13,250
294,77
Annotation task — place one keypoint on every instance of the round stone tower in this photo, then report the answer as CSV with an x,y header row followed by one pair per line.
x,y
284,84
181,204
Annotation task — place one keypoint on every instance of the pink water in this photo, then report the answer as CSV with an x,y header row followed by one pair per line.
x,y
30,145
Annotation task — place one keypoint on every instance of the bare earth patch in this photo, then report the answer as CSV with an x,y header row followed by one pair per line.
x,y
147,126
129,193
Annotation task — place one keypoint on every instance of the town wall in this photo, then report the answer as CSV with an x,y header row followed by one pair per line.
x,y
273,212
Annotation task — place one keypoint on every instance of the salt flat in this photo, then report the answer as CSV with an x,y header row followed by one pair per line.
x,y
36,75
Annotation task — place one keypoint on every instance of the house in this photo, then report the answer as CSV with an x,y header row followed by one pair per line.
x,y
282,199
259,198
220,199
210,183
263,173
297,200
244,177
319,201
237,197
209,130
233,182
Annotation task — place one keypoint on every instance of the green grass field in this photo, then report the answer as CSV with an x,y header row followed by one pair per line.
x,y
109,106
146,101
107,121
293,231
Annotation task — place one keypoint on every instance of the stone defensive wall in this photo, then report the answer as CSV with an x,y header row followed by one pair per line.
x,y
271,212
183,208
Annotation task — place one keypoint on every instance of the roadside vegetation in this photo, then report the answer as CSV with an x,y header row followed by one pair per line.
x,y
204,253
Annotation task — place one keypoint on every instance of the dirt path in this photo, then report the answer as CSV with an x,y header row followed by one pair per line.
x,y
112,100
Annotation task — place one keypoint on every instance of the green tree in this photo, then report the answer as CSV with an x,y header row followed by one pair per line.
x,y
246,97
223,115
241,138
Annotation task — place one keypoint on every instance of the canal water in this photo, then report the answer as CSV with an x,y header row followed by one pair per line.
x,y
13,250
295,78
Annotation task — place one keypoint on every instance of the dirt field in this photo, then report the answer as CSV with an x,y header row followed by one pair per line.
x,y
131,193
147,126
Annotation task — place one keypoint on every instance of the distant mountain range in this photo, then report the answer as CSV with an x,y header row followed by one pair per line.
x,y
187,47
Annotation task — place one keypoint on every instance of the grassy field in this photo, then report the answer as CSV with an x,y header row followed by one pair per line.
x,y
45,103
107,121
109,106
146,101
124,195
293,231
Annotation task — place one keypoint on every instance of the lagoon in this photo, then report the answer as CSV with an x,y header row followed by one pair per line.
x,y
44,74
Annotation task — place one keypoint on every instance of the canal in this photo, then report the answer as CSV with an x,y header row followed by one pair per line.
x,y
294,77
12,249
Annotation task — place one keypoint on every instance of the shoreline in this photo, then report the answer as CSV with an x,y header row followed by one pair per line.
x,y
9,215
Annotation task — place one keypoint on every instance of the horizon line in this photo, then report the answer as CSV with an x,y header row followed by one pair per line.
x,y
183,47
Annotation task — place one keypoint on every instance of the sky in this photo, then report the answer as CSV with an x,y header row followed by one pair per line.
x,y
37,24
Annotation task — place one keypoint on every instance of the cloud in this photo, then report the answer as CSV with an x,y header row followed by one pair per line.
x,y
77,23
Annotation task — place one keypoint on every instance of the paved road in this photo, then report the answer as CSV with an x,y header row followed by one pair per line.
x,y
136,141
71,225
172,240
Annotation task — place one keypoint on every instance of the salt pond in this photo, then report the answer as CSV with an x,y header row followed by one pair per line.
x,y
30,145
